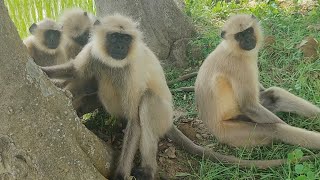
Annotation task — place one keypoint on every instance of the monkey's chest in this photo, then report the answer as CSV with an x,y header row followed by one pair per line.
x,y
73,50
111,98
44,59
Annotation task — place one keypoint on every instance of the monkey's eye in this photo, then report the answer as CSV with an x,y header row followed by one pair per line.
x,y
249,30
126,37
237,36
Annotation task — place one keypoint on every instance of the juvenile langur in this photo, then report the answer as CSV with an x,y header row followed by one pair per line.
x,y
227,93
45,44
76,25
131,85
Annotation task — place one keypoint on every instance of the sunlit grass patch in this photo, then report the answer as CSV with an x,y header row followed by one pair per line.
x,y
25,12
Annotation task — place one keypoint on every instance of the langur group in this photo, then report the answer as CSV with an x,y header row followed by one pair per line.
x,y
105,62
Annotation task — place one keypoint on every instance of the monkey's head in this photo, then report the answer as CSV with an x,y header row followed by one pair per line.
x,y
77,24
242,32
115,40
47,35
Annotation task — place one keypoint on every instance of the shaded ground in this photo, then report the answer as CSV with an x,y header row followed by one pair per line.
x,y
173,162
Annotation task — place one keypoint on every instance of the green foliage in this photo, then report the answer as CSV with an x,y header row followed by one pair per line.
x,y
101,123
25,12
300,171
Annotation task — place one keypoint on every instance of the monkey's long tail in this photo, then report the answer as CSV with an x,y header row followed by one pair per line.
x,y
185,143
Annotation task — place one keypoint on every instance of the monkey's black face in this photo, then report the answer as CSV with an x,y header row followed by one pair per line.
x,y
52,38
118,45
83,38
247,40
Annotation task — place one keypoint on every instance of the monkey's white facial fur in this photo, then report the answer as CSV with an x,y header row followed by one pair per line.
x,y
115,40
77,24
47,35
242,32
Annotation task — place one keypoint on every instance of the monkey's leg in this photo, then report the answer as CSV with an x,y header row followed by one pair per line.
x,y
129,149
155,119
277,99
244,134
148,150
297,136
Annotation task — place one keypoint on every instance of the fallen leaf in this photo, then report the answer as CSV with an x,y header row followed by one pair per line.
x,y
309,47
198,136
187,130
171,152
269,40
162,160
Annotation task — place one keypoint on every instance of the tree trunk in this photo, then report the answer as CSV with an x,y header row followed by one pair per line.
x,y
166,29
40,135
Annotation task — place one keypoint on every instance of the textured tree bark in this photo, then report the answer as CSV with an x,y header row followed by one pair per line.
x,y
166,29
40,135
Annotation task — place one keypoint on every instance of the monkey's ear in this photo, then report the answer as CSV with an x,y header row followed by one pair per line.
x,y
97,22
253,16
223,33
33,28
85,13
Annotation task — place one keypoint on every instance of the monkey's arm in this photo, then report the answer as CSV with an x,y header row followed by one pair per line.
x,y
62,71
259,114
249,104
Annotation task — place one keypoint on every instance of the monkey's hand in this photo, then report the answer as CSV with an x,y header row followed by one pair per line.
x,y
260,114
61,71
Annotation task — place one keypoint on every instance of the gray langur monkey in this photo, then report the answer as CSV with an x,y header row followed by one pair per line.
x,y
132,85
45,44
77,25
227,93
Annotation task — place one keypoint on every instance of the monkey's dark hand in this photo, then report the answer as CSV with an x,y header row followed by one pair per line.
x,y
269,100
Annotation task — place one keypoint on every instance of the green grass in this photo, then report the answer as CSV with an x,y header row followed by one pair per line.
x,y
280,64
25,12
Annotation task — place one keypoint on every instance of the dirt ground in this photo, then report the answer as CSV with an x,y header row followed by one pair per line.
x,y
173,162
